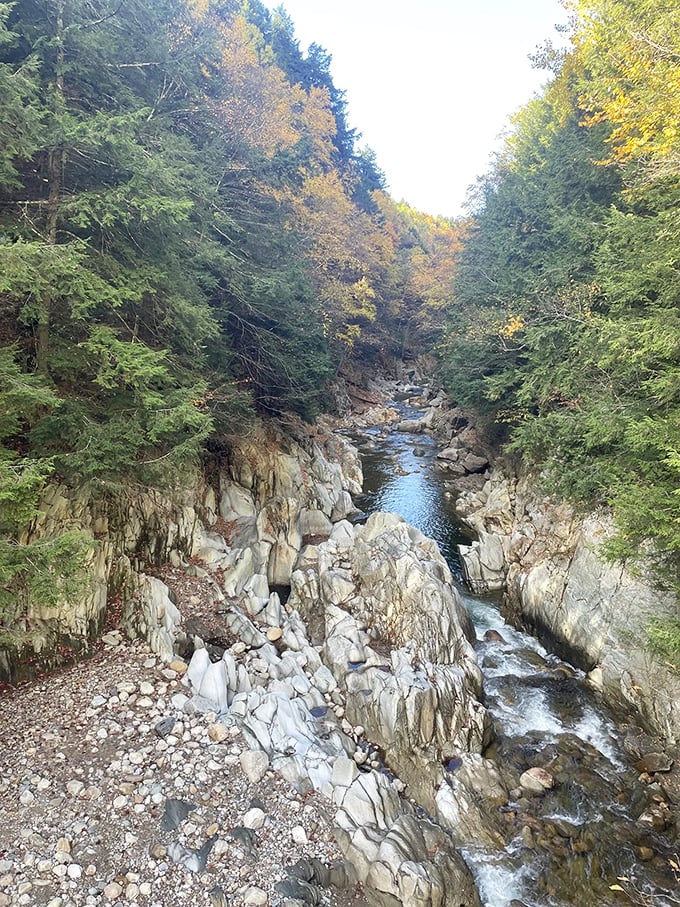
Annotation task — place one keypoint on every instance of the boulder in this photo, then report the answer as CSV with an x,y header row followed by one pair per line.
x,y
398,857
485,562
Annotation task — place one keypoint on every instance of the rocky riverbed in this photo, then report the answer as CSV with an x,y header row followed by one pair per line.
x,y
304,721
264,768
112,795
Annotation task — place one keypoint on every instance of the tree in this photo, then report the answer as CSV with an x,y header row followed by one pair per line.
x,y
631,52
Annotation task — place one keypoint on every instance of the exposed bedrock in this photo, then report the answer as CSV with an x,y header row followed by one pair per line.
x,y
370,689
597,613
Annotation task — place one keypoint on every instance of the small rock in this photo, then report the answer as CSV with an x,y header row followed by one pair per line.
x,y
146,688
164,727
178,666
217,897
175,813
274,634
63,845
74,871
254,764
537,780
132,891
218,732
26,798
255,896
75,787
254,818
112,891
654,762
158,851
299,835
221,847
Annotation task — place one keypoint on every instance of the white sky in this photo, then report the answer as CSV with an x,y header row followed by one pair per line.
x,y
430,83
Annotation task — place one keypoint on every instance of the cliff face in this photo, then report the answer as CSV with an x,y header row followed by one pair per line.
x,y
284,485
557,583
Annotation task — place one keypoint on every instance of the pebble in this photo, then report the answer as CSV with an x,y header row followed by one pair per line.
x,y
63,846
146,688
27,797
74,787
299,835
112,891
254,818
254,764
221,847
218,732
255,896
74,871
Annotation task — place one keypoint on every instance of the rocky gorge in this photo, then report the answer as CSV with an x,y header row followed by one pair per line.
x,y
329,683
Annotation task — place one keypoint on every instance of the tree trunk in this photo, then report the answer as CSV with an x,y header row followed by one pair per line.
x,y
55,165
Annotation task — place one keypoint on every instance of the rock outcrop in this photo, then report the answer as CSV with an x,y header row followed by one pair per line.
x,y
363,686
278,487
380,600
369,690
548,561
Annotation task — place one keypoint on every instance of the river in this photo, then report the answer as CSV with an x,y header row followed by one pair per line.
x,y
568,847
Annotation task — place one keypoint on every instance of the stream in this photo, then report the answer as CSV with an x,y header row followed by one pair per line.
x,y
569,846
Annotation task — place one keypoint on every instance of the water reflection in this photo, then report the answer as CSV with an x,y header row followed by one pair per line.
x,y
399,477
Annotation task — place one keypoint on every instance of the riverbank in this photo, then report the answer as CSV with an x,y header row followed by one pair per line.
x,y
342,658
546,716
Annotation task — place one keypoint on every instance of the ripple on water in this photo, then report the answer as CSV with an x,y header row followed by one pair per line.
x,y
499,876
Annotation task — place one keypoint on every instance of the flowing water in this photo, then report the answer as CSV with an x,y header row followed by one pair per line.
x,y
564,849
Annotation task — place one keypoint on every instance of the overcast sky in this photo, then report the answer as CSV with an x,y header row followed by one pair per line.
x,y
430,84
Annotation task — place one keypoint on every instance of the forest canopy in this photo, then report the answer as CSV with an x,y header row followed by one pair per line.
x,y
564,329
191,235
